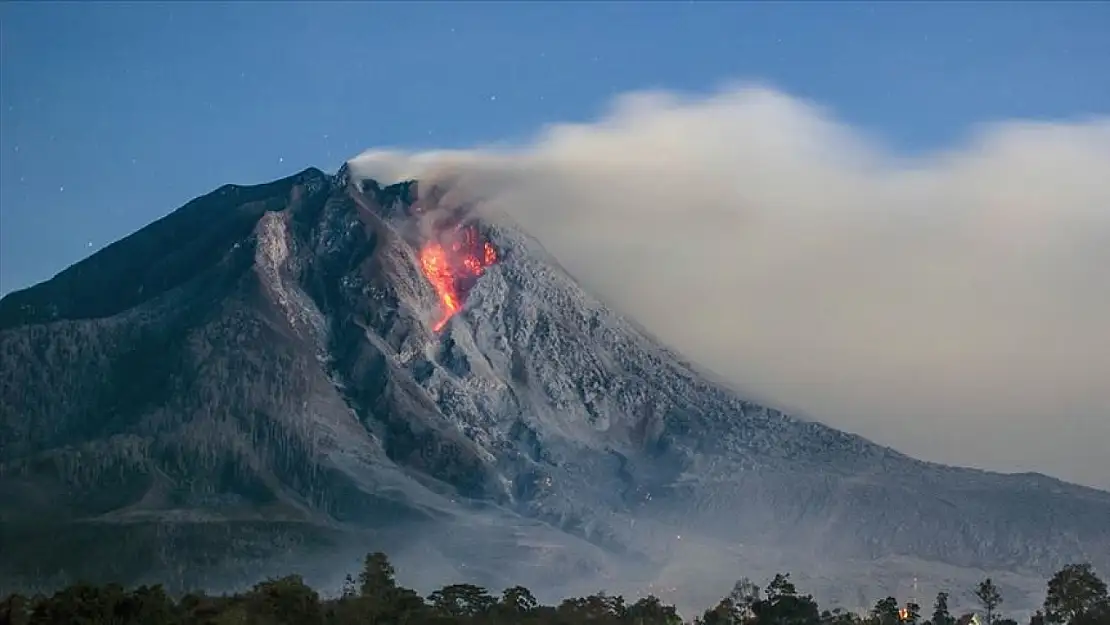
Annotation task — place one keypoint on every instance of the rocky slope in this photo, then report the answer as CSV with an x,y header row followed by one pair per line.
x,y
256,377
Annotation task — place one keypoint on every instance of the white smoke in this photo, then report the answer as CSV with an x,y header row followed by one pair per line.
x,y
954,305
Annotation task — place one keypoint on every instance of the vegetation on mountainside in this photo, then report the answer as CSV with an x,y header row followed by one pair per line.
x,y
1075,596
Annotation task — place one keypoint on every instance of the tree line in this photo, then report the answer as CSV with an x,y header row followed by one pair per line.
x,y
1075,596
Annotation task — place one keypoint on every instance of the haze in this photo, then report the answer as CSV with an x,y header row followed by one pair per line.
x,y
954,305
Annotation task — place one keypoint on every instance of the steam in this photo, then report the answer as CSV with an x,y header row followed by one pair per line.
x,y
954,305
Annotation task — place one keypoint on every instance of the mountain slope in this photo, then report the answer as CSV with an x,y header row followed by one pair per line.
x,y
258,373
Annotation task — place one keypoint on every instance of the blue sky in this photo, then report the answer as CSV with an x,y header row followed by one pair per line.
x,y
114,114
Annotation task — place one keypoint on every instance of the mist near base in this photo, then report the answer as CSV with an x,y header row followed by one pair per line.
x,y
693,573
954,305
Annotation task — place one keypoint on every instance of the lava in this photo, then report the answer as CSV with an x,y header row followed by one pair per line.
x,y
453,269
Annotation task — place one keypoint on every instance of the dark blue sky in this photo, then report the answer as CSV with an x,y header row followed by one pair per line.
x,y
113,114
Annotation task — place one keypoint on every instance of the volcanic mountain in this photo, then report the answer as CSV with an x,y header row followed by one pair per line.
x,y
283,376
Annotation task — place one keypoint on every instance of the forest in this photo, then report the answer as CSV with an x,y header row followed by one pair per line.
x,y
1075,595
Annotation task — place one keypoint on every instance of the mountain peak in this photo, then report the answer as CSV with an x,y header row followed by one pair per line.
x,y
342,177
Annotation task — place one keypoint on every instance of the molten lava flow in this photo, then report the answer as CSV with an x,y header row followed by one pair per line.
x,y
452,270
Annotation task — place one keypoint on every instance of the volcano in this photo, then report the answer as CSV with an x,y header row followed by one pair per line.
x,y
280,377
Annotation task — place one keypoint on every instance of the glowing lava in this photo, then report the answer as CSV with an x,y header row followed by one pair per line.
x,y
452,270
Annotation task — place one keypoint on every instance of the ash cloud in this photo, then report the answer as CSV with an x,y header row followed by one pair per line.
x,y
954,305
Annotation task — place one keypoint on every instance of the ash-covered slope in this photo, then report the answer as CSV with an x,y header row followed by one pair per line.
x,y
258,374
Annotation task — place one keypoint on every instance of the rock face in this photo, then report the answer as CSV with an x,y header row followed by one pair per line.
x,y
255,379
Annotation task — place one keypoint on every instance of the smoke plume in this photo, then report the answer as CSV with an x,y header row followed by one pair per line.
x,y
954,305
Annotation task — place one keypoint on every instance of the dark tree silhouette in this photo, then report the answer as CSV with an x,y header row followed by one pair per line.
x,y
724,613
745,595
885,611
377,578
518,600
783,605
781,586
285,601
912,614
462,600
1073,592
941,615
989,597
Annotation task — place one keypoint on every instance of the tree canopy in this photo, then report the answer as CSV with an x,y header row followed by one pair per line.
x,y
1075,596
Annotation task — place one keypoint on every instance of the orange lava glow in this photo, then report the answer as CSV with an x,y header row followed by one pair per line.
x,y
452,270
